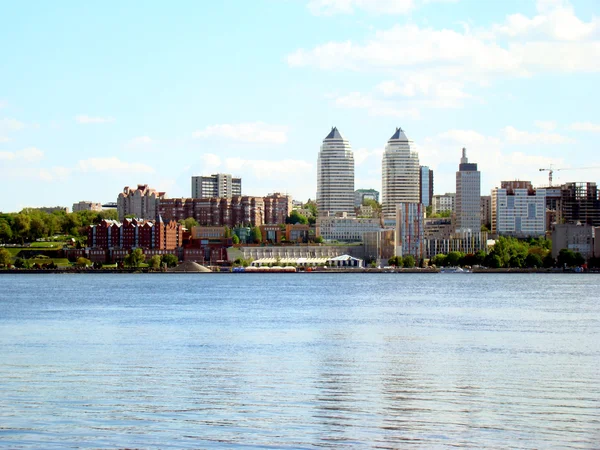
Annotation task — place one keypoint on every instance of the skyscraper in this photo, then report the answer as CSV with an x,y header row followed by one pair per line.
x,y
335,175
468,195
400,174
426,185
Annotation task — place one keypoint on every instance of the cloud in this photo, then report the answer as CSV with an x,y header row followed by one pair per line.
x,y
585,126
30,154
546,125
140,142
54,173
363,155
210,162
111,164
523,137
85,119
266,169
7,125
375,107
255,132
331,7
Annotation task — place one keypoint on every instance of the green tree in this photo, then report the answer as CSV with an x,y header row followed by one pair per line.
x,y
170,260
135,258
397,261
21,224
493,260
189,223
566,258
154,262
318,240
408,261
5,231
226,232
255,235
454,258
548,261
533,260
83,262
312,207
19,263
438,260
108,214
295,217
235,239
5,257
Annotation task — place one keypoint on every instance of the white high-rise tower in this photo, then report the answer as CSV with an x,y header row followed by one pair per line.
x,y
400,174
468,195
335,175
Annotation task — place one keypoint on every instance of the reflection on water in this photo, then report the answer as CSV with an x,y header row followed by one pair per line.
x,y
300,361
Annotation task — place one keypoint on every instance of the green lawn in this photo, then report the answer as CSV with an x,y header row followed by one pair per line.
x,y
47,244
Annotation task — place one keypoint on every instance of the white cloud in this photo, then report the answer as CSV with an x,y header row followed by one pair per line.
x,y
546,125
210,162
363,155
7,125
54,173
524,137
585,126
30,154
331,7
375,107
266,169
111,164
255,132
85,119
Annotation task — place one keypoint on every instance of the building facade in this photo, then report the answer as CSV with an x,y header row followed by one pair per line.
x,y
87,206
335,175
468,195
426,186
135,233
579,202
465,242
410,230
575,237
345,229
216,185
231,212
400,174
360,195
379,245
486,210
441,203
141,202
519,212
277,208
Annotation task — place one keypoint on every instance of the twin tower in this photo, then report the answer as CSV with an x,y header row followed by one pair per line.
x,y
335,174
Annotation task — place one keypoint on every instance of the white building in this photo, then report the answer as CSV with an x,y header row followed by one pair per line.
x,y
400,174
335,175
410,230
468,195
443,202
345,229
519,212
221,185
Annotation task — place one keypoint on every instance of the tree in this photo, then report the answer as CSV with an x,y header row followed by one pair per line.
x,y
155,262
312,207
396,261
170,260
295,217
534,260
226,232
255,235
5,257
566,258
548,261
21,224
5,231
438,260
235,239
454,258
189,223
135,258
319,240
408,261
19,263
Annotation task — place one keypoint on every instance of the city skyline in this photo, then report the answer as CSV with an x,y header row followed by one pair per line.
x,y
97,97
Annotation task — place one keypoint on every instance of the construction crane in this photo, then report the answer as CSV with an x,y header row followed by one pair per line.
x,y
551,170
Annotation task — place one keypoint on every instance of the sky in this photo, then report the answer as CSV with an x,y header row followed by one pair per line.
x,y
96,96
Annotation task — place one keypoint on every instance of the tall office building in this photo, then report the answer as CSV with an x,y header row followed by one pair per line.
x,y
468,195
335,175
221,185
426,185
400,174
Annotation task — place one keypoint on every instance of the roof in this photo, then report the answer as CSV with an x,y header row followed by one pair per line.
x,y
334,134
399,135
344,258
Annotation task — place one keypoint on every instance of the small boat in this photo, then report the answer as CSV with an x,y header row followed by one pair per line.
x,y
454,270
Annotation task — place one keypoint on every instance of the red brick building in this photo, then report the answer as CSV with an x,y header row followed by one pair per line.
x,y
133,233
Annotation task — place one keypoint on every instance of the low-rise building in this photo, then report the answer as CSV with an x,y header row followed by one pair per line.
x,y
87,206
345,229
575,237
465,241
297,233
441,203
519,212
380,245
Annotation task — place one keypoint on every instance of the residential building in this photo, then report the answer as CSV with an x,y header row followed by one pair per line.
x,y
441,203
575,237
345,229
519,212
457,241
425,185
297,233
468,195
486,210
135,233
141,202
409,230
360,195
579,202
221,185
277,208
231,212
335,175
400,174
87,206
208,233
52,209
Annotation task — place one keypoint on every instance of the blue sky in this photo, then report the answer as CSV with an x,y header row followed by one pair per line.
x,y
95,97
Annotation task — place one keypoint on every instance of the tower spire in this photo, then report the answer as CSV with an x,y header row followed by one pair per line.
x,y
464,159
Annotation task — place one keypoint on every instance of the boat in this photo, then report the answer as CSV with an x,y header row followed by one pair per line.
x,y
454,270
